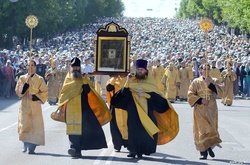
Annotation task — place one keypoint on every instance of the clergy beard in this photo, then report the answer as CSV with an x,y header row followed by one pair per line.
x,y
141,77
76,74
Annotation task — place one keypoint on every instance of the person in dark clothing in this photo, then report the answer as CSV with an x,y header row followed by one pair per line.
x,y
86,112
41,68
118,123
242,75
143,101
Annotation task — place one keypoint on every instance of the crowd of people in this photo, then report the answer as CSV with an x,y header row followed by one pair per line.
x,y
168,40
168,57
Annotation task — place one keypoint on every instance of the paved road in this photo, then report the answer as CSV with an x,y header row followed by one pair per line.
x,y
234,127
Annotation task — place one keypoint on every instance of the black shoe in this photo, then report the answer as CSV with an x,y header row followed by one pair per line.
x,y
139,156
74,154
31,152
211,153
31,148
131,155
203,155
78,154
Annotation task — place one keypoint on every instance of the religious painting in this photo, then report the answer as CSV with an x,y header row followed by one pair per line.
x,y
112,54
112,50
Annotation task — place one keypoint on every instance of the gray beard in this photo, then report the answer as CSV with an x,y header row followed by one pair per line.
x,y
76,74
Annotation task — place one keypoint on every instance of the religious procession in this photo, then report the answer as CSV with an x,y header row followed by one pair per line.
x,y
108,72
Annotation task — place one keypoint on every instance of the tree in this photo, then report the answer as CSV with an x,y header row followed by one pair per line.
x,y
54,16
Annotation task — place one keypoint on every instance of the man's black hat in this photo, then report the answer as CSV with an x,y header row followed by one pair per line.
x,y
75,62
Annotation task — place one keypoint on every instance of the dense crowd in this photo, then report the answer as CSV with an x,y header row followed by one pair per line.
x,y
167,40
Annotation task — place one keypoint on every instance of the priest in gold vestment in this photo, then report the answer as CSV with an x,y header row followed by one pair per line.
x,y
32,90
151,117
86,112
171,81
157,73
228,77
201,96
52,76
215,72
185,79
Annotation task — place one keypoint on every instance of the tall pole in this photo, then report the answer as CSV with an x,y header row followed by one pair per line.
x,y
206,25
31,21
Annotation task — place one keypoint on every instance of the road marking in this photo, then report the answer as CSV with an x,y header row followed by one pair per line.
x,y
3,129
97,161
8,127
112,155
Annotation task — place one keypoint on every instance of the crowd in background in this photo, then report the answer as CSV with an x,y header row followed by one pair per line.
x,y
167,40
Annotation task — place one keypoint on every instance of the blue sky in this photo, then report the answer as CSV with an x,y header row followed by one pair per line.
x,y
150,8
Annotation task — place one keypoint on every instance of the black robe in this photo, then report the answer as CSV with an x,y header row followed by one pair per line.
x,y
92,136
139,141
116,135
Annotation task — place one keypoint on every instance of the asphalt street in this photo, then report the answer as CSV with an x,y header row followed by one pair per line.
x,y
234,128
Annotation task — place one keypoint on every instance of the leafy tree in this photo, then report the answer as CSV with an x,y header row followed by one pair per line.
x,y
54,16
235,13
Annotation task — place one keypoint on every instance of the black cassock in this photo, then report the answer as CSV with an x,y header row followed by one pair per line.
x,y
117,139
92,136
139,141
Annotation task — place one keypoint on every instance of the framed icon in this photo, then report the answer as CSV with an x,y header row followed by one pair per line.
x,y
112,50
112,54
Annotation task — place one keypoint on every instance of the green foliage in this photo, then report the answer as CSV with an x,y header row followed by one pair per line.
x,y
235,13
54,16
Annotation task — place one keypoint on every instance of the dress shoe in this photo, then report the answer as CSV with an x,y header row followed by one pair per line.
x,y
72,152
31,152
78,155
210,152
131,155
139,156
31,148
203,155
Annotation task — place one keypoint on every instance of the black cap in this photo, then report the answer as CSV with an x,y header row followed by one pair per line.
x,y
75,62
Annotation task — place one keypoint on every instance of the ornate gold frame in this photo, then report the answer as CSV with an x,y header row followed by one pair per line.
x,y
112,54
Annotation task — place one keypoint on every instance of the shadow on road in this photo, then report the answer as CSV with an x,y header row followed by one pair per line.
x,y
51,154
168,159
229,161
6,102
